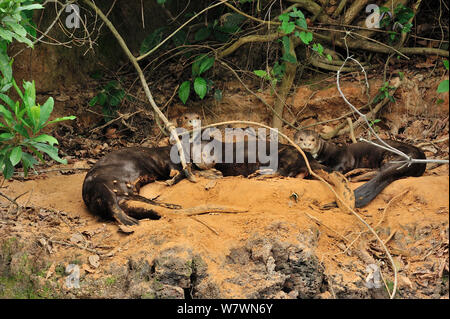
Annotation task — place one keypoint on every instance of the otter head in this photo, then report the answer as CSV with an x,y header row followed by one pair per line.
x,y
308,141
189,121
206,158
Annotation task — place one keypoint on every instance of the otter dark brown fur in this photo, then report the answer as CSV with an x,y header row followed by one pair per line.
x,y
290,162
363,155
118,177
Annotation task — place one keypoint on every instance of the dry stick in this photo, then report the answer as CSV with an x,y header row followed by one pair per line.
x,y
352,133
10,199
135,63
205,224
433,142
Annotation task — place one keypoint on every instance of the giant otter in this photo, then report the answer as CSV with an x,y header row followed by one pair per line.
x,y
363,155
118,177
285,160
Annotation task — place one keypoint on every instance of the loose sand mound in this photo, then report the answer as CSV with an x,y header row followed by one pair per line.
x,y
280,248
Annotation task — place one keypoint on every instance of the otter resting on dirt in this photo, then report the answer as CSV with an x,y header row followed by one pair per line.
x,y
118,177
363,155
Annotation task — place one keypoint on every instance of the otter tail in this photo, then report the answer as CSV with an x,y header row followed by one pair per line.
x,y
367,192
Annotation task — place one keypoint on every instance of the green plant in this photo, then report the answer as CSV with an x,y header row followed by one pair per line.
x,y
443,86
289,21
20,127
274,75
22,121
201,85
384,92
15,20
399,21
373,122
109,98
220,31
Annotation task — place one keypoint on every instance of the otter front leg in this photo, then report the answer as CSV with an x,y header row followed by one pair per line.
x,y
119,215
178,176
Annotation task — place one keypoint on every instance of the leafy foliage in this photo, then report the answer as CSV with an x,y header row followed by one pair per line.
x,y
443,86
20,127
109,97
398,21
384,92
21,121
15,20
201,85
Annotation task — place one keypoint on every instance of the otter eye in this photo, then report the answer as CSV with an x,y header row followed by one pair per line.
x,y
313,140
198,117
185,117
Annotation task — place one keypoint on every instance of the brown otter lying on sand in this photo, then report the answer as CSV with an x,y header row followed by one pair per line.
x,y
363,155
117,177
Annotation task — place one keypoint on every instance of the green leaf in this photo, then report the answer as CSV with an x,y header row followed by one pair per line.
x,y
306,37
289,58
28,162
7,114
287,26
50,151
179,38
261,73
21,130
6,34
46,110
16,155
8,170
200,87
35,113
184,90
205,65
443,86
318,48
8,101
301,21
152,40
17,28
329,57
44,138
31,7
60,119
284,17
196,65
6,136
445,63
286,44
23,39
202,34
93,101
29,97
101,98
